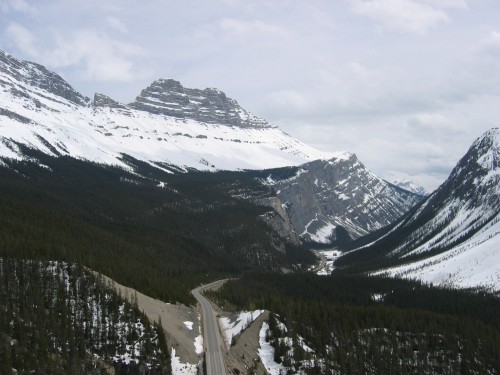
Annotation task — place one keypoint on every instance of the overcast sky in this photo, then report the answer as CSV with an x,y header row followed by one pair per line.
x,y
407,85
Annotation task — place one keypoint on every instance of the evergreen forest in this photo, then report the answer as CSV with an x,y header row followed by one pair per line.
x,y
371,325
57,318
163,232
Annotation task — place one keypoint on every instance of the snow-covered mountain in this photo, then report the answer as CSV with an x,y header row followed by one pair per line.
x,y
338,199
410,186
453,236
173,128
167,125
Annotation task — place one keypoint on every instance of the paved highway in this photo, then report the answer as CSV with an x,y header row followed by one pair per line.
x,y
211,334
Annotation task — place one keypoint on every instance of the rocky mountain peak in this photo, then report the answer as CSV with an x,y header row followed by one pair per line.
x,y
169,97
476,177
101,100
168,85
487,148
410,186
335,200
37,75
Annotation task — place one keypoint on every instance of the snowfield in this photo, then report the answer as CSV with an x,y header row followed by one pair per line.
x,y
474,263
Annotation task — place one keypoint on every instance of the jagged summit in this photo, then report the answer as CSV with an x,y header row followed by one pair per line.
x,y
164,96
167,125
453,236
488,149
36,75
475,180
169,97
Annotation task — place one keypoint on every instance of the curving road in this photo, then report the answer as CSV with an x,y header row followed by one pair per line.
x,y
211,334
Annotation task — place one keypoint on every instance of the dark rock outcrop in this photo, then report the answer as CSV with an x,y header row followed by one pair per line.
x,y
37,75
101,100
169,97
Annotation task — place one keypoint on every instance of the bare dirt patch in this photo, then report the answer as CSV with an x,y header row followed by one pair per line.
x,y
243,355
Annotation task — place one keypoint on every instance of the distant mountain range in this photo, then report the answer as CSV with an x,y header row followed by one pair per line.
x,y
411,186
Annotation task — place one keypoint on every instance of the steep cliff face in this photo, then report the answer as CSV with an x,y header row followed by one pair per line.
x,y
279,220
338,199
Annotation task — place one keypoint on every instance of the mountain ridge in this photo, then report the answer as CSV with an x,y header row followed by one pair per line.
x,y
177,129
210,133
210,105
336,200
452,237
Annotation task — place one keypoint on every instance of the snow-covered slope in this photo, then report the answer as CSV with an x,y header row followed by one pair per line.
x,y
453,237
476,262
166,125
338,199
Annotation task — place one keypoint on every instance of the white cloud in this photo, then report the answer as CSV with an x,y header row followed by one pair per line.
x,y
17,5
460,4
97,55
410,16
238,28
22,38
491,44
116,24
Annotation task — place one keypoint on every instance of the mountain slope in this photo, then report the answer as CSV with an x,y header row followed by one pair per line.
x,y
452,237
338,199
173,128
167,125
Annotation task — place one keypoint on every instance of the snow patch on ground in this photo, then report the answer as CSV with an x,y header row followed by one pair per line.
x,y
266,353
320,235
330,256
323,234
234,328
189,325
179,368
198,344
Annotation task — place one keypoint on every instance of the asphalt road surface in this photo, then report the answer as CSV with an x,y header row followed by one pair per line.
x,y
211,334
